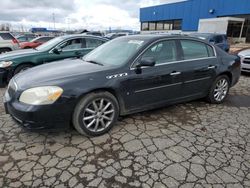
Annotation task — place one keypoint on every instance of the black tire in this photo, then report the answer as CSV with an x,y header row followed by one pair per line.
x,y
4,50
22,68
81,110
212,92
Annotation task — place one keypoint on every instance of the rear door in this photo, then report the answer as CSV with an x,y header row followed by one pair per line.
x,y
198,67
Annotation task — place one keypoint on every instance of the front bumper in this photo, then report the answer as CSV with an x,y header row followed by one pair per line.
x,y
245,67
3,77
45,117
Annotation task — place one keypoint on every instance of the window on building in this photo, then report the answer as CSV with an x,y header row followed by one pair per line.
x,y
168,25
144,26
177,25
152,26
194,49
159,26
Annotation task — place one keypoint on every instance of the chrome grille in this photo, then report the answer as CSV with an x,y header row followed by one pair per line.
x,y
246,60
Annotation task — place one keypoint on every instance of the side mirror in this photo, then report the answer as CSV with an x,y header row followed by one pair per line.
x,y
212,41
146,62
57,51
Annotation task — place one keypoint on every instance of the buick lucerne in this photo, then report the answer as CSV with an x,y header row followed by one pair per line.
x,y
126,75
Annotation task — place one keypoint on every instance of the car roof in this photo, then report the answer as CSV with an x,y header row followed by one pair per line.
x,y
82,35
205,34
154,37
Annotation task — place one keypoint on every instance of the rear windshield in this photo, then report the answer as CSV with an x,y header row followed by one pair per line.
x,y
6,36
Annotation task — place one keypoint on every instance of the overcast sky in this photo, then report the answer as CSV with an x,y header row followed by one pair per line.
x,y
75,14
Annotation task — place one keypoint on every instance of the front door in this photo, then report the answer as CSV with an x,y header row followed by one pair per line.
x,y
154,85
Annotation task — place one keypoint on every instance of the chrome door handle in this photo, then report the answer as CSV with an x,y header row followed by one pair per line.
x,y
175,73
211,67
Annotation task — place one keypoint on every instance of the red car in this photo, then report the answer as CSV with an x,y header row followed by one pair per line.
x,y
35,42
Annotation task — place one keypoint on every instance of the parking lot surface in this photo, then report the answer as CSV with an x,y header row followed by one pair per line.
x,y
186,145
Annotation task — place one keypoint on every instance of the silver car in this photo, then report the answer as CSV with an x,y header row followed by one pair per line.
x,y
7,42
245,60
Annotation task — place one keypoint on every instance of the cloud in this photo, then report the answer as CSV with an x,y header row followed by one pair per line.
x,y
76,14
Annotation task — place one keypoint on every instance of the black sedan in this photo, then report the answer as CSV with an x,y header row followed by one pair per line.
x,y
127,75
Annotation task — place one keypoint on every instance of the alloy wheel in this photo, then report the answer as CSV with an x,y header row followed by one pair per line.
x,y
98,115
221,89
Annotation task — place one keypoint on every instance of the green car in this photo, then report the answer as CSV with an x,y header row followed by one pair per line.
x,y
68,46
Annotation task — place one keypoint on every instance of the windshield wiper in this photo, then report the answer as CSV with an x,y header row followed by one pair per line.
x,y
94,62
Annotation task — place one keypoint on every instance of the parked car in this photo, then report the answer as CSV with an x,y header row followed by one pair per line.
x,y
245,60
25,37
35,42
7,42
126,75
115,35
67,46
95,33
219,40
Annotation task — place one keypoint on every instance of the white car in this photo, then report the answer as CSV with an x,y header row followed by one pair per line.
x,y
7,42
245,60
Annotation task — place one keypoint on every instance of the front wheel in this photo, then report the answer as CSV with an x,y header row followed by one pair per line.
x,y
96,114
219,90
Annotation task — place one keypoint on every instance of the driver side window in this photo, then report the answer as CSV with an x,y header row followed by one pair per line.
x,y
72,44
162,52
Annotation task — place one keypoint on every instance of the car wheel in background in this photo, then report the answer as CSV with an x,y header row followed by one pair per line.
x,y
22,68
219,90
4,50
96,113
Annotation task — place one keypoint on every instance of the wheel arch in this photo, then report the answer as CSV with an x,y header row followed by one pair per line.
x,y
228,74
110,90
22,64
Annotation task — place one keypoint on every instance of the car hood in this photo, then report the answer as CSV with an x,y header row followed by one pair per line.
x,y
17,54
56,73
245,53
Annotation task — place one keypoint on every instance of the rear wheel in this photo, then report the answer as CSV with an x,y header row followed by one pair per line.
x,y
22,68
219,90
96,114
4,50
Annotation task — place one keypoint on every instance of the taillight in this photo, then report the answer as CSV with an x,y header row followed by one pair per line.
x,y
15,41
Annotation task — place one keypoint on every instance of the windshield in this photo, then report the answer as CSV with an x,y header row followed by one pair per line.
x,y
50,44
115,52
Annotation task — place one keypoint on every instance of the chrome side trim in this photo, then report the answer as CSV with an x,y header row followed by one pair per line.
x,y
159,87
196,80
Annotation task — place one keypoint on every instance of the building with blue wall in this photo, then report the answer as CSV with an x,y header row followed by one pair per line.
x,y
185,15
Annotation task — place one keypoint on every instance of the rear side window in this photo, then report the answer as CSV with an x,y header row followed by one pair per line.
x,y
162,52
196,50
218,39
6,36
93,43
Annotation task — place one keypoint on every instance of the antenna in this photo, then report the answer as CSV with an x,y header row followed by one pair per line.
x,y
53,18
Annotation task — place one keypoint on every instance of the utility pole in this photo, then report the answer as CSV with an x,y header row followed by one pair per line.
x,y
53,17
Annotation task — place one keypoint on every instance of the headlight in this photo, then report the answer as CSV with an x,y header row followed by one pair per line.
x,y
41,95
5,64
